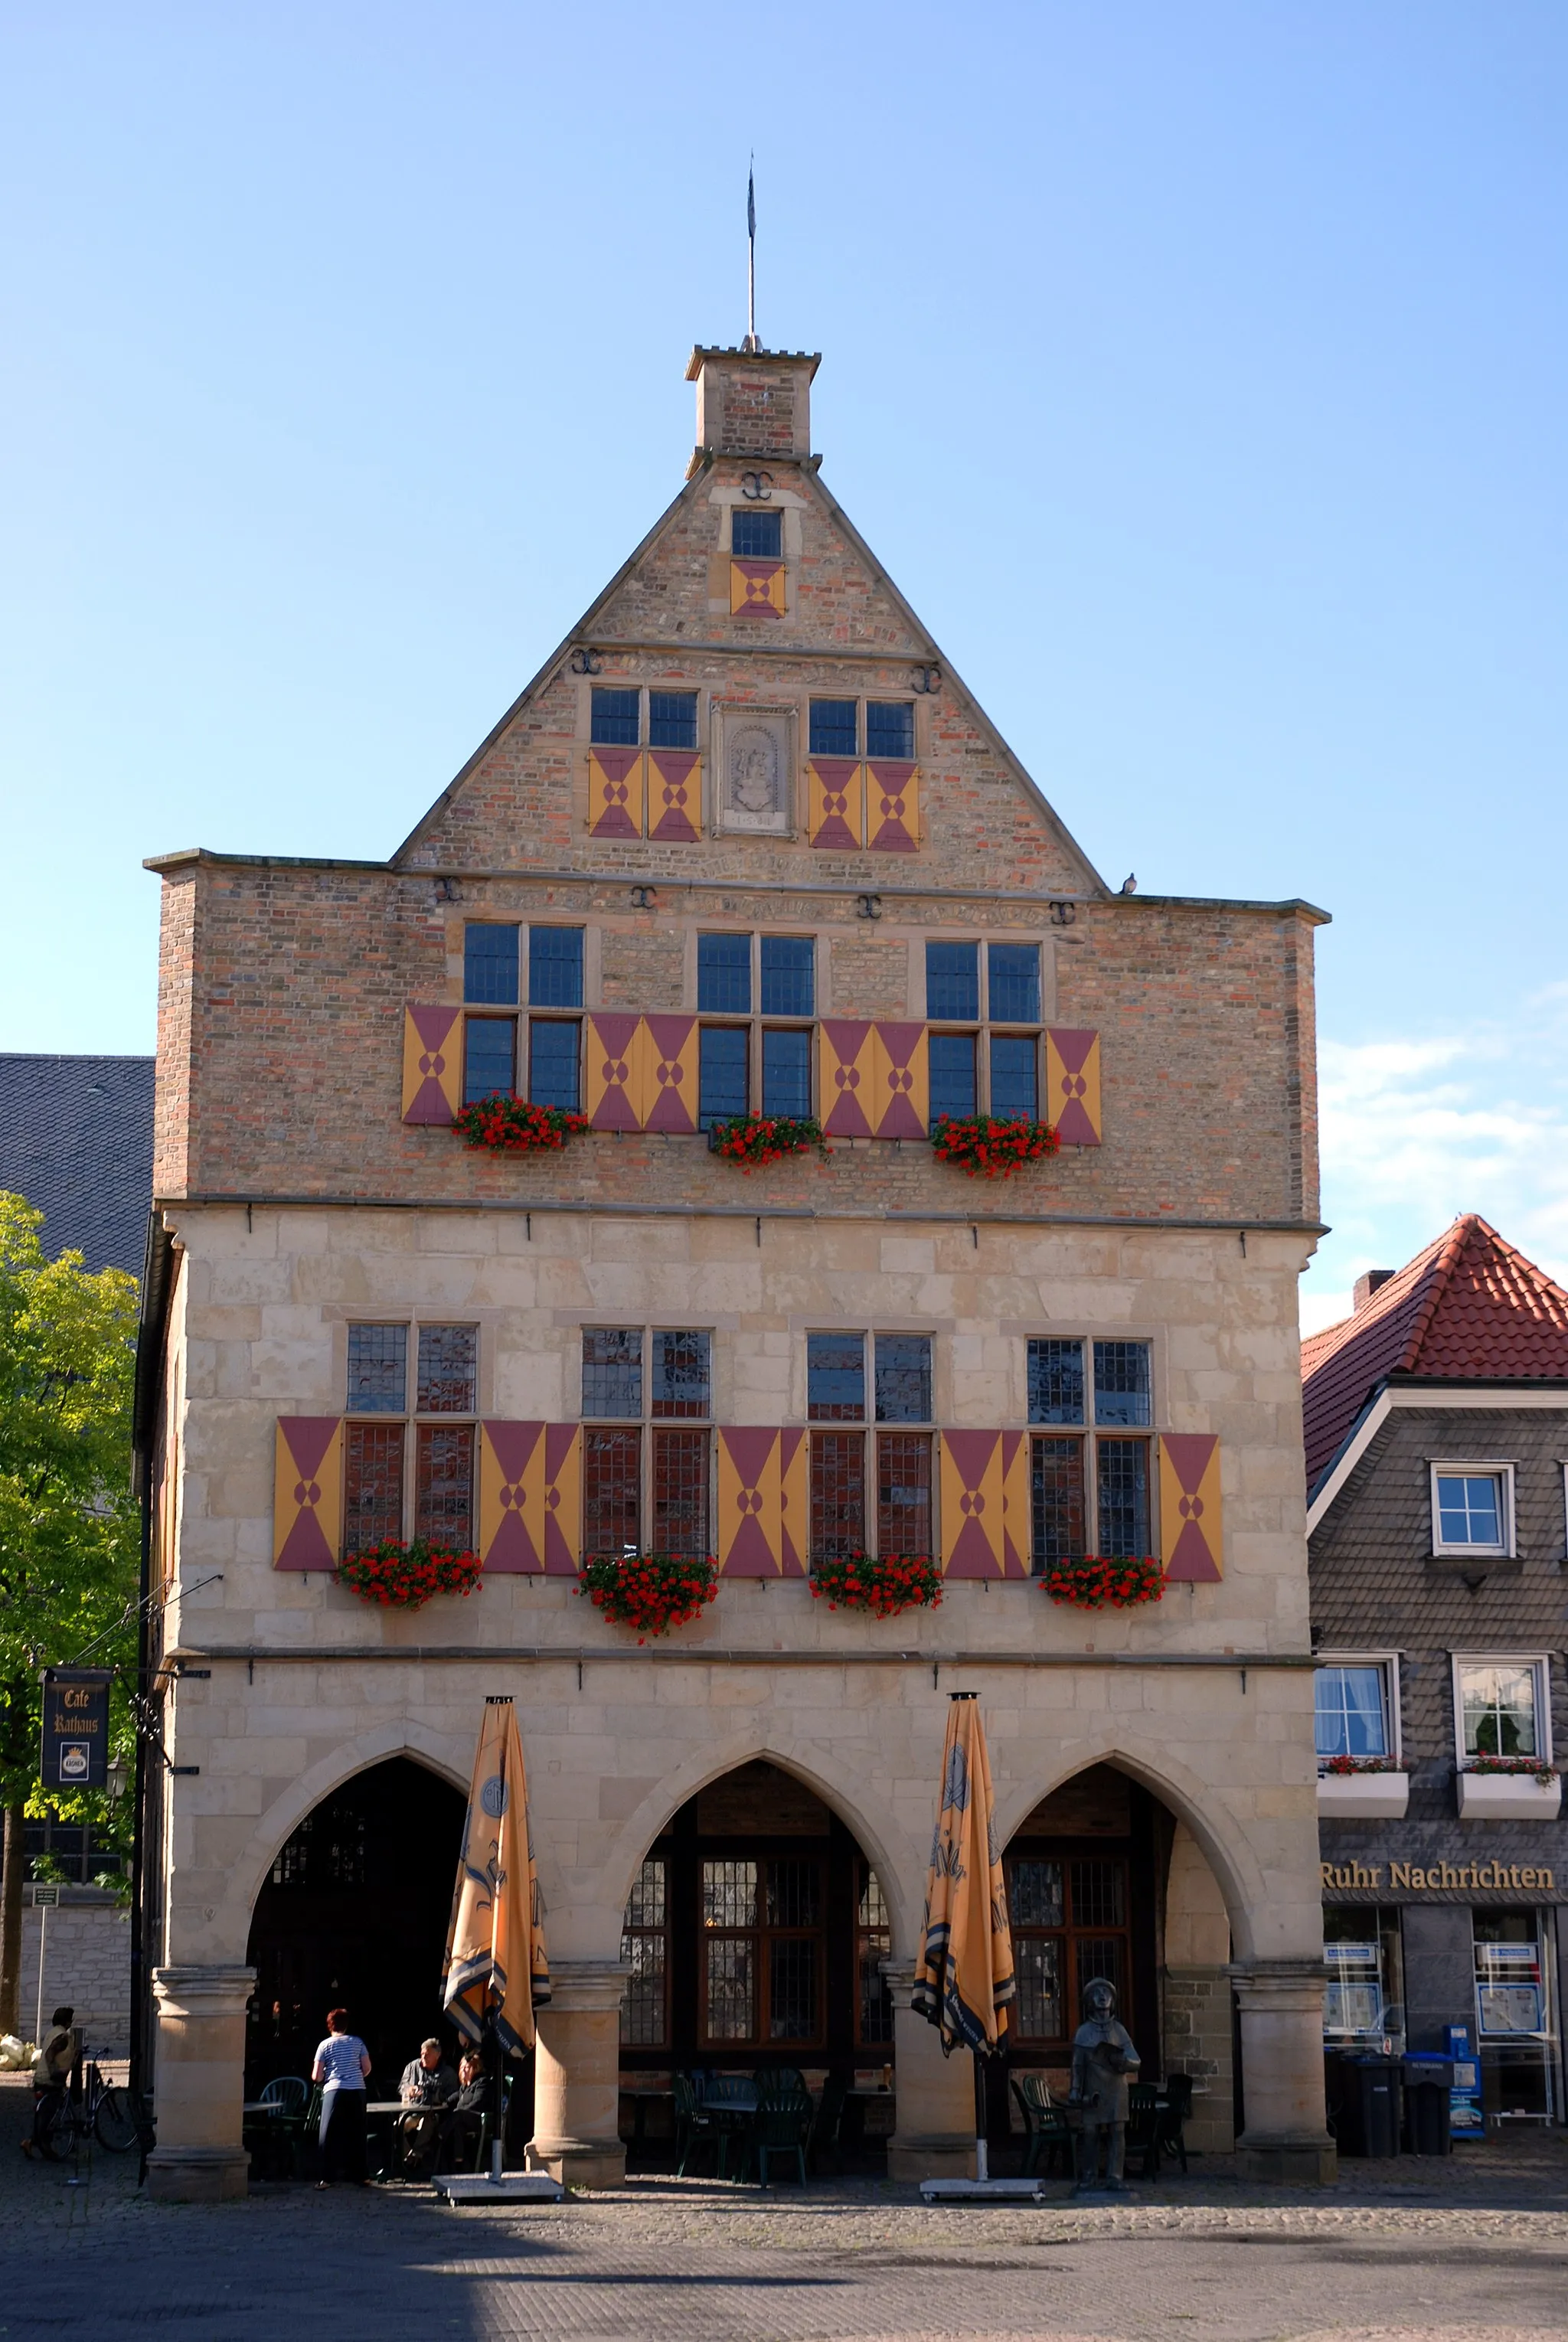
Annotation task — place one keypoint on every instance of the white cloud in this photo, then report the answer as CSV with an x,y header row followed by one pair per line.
x,y
1414,1132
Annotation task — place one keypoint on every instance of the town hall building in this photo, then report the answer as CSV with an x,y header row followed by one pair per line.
x,y
745,844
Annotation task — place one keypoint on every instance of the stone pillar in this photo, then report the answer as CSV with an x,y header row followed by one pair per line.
x,y
1287,2138
577,2075
199,2085
934,2129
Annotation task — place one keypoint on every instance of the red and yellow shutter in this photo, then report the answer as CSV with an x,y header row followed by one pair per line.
x,y
893,806
613,1072
1073,1086
432,1063
835,802
530,1497
674,795
307,1492
846,1077
1017,1511
669,1073
1190,1508
794,1503
757,588
900,1080
751,1503
616,787
972,1523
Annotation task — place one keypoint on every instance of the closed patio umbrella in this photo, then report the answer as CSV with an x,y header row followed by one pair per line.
x,y
495,1972
964,1980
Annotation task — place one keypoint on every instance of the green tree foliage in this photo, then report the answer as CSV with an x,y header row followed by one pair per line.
x,y
69,1538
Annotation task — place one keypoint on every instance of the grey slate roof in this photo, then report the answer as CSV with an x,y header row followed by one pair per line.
x,y
76,1139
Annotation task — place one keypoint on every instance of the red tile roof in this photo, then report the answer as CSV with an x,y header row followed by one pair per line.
x,y
1467,1309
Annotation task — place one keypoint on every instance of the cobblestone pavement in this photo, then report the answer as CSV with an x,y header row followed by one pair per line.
x,y
1399,2252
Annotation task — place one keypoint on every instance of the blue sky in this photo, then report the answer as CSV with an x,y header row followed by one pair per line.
x,y
1198,370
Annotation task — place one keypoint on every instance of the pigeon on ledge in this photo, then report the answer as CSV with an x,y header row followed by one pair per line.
x,y
1130,883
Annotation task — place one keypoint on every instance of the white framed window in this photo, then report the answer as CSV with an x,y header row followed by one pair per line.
x,y
1502,1706
1356,1706
1472,1507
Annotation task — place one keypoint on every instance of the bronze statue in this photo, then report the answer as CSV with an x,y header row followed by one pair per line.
x,y
1103,2058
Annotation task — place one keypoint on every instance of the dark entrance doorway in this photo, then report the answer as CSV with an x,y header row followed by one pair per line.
x,y
1085,1876
754,1934
354,1913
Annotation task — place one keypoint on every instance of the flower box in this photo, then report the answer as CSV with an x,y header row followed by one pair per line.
x,y
1096,1582
650,1591
1508,1797
404,1577
753,1139
885,1583
990,1146
1363,1797
505,1123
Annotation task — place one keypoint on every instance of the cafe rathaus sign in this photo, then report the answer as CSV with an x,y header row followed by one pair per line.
x,y
76,1727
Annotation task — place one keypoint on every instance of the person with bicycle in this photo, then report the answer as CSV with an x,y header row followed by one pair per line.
x,y
51,2074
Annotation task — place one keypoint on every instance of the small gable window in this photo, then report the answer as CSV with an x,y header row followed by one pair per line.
x,y
890,730
672,719
1472,1508
834,727
490,962
757,535
615,718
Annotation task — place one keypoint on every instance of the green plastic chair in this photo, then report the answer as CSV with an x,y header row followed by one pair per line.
x,y
1144,2127
1173,2115
781,2127
1045,2126
694,2128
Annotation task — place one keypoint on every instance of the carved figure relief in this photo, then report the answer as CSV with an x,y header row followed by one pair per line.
x,y
753,793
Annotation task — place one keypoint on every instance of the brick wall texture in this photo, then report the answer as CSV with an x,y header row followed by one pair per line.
x,y
284,983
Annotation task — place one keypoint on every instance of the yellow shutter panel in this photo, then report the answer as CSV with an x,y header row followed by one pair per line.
x,y
1073,1086
530,1497
307,1492
751,1503
432,1062
616,784
971,1519
1190,1537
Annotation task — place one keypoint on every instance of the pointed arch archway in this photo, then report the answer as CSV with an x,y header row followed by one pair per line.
x,y
352,1911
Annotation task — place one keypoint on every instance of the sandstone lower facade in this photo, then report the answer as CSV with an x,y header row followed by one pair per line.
x,y
1153,1767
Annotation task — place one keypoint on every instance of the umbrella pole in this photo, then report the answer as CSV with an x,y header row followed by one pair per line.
x,y
982,2157
498,2100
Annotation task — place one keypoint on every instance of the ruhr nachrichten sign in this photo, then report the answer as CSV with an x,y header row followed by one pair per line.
x,y
76,1727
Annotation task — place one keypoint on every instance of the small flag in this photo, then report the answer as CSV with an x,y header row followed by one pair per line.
x,y
752,205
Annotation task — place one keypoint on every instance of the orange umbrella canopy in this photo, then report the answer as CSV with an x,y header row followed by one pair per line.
x,y
964,1980
495,1967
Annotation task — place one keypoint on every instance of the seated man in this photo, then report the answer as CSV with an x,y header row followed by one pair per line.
x,y
429,2087
462,2128
51,2072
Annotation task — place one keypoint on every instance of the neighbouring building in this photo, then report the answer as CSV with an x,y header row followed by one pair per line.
x,y
76,1140
1436,1423
746,842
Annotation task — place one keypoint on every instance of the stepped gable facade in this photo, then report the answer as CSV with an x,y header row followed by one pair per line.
x,y
744,844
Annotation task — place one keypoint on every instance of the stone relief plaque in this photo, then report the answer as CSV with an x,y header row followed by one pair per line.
x,y
755,764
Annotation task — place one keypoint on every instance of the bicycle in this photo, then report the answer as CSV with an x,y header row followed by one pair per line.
x,y
89,2108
